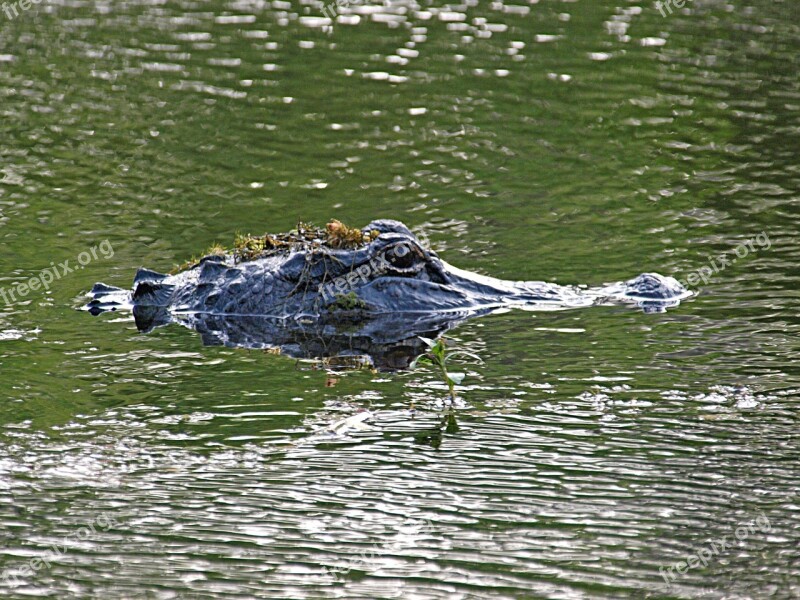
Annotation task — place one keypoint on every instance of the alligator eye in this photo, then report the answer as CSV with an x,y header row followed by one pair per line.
x,y
402,257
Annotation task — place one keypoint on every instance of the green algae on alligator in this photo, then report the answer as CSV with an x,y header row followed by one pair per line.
x,y
305,236
378,283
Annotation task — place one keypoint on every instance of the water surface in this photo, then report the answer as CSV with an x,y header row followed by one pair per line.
x,y
573,142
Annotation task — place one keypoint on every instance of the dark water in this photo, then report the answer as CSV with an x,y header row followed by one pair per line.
x,y
575,142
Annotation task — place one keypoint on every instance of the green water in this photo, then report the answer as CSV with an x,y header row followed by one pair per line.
x,y
573,142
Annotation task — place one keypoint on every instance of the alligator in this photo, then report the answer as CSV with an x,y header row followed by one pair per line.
x,y
341,291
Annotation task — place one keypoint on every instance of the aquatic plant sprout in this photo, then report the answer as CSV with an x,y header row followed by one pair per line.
x,y
438,356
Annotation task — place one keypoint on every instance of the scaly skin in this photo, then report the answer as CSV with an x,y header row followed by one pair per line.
x,y
383,293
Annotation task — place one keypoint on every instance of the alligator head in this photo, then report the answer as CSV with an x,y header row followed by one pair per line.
x,y
314,294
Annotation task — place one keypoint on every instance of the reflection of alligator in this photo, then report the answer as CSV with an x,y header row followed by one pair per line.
x,y
314,293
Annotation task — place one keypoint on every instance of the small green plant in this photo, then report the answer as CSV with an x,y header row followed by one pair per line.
x,y
215,250
437,355
348,302
248,247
